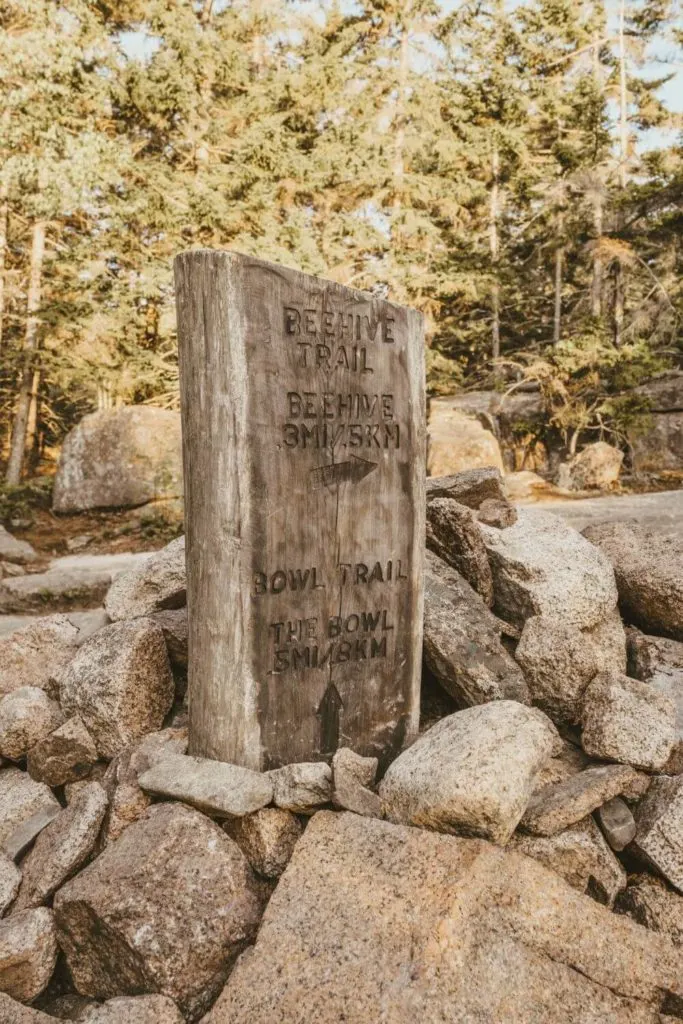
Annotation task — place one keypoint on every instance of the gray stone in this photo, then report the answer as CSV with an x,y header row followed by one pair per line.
x,y
28,953
374,922
597,466
13,550
651,903
27,715
471,487
217,789
581,856
33,655
62,847
119,458
135,1010
347,764
57,590
65,755
10,879
617,823
628,721
659,828
649,573
302,788
266,838
353,775
558,664
558,806
659,662
541,566
26,807
473,773
12,1012
166,907
462,641
174,626
157,584
454,535
498,512
120,683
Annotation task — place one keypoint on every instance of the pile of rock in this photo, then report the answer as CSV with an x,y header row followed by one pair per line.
x,y
521,861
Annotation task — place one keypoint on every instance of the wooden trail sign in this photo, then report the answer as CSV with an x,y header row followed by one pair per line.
x,y
304,449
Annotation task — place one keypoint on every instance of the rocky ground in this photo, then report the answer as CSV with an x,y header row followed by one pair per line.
x,y
522,861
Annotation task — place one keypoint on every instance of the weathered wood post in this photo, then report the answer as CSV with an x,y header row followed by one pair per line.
x,y
304,450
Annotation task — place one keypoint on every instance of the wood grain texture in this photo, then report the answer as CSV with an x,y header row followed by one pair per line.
x,y
304,458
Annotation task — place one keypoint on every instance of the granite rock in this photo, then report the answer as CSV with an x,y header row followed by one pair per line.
x,y
453,534
541,566
266,838
558,806
219,790
10,880
166,907
617,823
462,641
120,683
14,550
27,715
628,721
659,661
473,772
158,583
650,902
13,1012
659,828
62,847
35,654
302,788
470,487
649,571
581,856
153,1009
373,921
26,807
28,953
65,755
558,664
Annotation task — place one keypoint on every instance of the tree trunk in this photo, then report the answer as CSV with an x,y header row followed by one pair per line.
x,y
620,270
21,415
4,218
557,312
398,170
598,200
494,250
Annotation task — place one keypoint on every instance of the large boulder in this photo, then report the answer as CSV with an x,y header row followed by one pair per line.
x,y
659,828
597,467
473,772
471,487
462,641
163,909
658,444
120,458
120,684
376,922
561,804
457,441
650,902
35,654
649,572
541,566
158,583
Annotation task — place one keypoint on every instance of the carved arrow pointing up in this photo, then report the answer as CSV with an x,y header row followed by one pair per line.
x,y
329,713
353,470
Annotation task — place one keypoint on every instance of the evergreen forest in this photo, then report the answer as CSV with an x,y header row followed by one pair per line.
x,y
512,169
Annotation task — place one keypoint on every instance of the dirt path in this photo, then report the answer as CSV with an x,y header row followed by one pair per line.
x,y
661,511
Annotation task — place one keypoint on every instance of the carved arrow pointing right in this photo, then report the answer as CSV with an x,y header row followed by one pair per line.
x,y
353,470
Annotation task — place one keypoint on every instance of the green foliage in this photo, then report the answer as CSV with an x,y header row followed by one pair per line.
x,y
460,158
